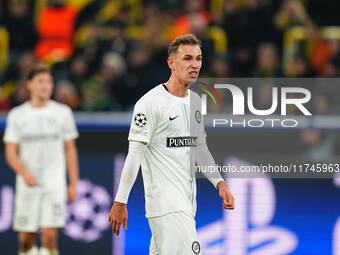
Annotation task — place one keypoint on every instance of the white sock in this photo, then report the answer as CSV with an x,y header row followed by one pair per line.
x,y
32,251
44,251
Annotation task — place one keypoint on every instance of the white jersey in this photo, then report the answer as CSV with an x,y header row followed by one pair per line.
x,y
171,126
40,133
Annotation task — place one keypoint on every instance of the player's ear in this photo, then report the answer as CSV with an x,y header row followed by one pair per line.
x,y
171,63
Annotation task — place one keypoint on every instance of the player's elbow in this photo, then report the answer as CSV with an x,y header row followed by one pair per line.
x,y
10,152
70,146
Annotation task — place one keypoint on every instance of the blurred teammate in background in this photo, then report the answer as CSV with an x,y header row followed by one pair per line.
x,y
40,142
167,137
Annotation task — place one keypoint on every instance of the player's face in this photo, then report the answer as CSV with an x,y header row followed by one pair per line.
x,y
187,63
41,86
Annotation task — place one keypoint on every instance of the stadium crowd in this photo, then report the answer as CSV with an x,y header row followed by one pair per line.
x,y
106,54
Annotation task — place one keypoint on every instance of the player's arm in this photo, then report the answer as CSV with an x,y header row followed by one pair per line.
x,y
70,133
143,123
71,156
204,159
12,139
118,213
12,158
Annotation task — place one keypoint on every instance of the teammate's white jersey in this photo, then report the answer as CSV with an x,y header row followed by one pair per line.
x,y
172,127
40,133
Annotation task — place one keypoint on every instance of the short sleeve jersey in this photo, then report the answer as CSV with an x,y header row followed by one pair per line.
x,y
40,133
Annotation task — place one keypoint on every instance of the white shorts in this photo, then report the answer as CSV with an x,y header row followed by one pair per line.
x,y
174,233
39,210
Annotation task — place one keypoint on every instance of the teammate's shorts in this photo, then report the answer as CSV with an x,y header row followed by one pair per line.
x,y
39,210
174,233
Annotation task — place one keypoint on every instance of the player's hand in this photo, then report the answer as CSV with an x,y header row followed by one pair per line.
x,y
72,193
30,179
118,215
228,199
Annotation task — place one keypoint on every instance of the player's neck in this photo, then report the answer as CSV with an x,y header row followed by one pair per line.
x,y
177,88
36,102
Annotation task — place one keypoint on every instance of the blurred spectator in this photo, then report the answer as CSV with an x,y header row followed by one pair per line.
x,y
18,19
332,66
291,13
66,93
92,50
267,62
79,70
24,65
246,29
221,13
98,92
220,67
20,95
330,69
229,14
115,61
140,78
325,103
56,38
103,40
16,75
321,50
194,12
301,68
319,145
116,39
156,25
195,20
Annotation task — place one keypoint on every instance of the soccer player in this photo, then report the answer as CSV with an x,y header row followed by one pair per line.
x,y
167,138
40,142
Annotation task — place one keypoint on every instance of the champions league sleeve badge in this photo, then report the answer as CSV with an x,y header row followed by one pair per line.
x,y
140,120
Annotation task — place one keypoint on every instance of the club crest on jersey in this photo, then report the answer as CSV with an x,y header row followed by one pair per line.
x,y
140,120
23,221
51,121
185,141
198,116
196,247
